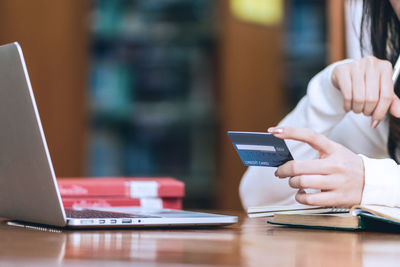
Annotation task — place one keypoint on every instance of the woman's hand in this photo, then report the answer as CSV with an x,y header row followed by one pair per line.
x,y
338,173
367,87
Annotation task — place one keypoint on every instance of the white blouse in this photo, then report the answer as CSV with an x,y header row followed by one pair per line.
x,y
322,110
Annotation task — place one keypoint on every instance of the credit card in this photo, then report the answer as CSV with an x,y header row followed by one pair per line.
x,y
260,149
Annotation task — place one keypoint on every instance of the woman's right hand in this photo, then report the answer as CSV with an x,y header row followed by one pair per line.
x,y
367,87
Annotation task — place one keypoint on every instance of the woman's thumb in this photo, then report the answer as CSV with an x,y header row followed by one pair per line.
x,y
395,107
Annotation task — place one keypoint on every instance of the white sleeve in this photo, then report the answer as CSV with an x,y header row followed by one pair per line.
x,y
382,182
321,109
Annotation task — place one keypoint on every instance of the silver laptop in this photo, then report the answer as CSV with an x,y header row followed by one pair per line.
x,y
28,188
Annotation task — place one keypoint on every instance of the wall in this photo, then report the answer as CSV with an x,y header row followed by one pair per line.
x,y
251,93
53,38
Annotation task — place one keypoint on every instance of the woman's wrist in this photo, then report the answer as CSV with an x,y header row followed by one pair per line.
x,y
381,182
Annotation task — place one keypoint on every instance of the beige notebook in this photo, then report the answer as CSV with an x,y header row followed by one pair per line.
x,y
266,211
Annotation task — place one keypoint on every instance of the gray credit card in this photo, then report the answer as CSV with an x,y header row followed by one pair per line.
x,y
260,149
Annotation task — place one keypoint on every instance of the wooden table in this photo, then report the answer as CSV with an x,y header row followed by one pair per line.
x,y
249,243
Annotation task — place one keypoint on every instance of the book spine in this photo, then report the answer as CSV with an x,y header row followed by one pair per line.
x,y
82,189
140,189
121,188
153,203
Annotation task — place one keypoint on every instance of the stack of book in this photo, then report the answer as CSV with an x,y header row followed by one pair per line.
x,y
154,193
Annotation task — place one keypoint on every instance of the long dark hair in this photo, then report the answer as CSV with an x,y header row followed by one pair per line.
x,y
381,24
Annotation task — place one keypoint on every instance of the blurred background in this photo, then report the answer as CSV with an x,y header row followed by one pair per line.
x,y
150,87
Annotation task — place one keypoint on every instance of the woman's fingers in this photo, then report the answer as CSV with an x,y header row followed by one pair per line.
x,y
342,80
302,167
366,86
323,199
322,182
371,89
317,141
358,83
339,173
386,93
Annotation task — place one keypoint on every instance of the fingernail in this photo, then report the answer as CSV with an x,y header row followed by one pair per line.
x,y
374,123
275,130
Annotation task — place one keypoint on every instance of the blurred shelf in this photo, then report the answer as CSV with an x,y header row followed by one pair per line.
x,y
160,33
305,45
152,101
157,114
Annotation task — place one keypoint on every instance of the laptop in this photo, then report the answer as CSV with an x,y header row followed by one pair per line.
x,y
28,188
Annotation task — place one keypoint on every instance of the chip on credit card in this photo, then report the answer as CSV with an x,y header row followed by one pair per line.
x,y
260,149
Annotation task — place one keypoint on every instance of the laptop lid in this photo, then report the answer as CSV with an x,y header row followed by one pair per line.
x,y
28,190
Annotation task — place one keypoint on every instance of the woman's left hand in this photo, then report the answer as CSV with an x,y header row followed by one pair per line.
x,y
338,173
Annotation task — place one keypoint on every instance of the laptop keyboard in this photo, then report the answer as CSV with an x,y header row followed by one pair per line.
x,y
86,214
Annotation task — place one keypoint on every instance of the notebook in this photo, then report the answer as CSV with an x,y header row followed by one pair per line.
x,y
366,217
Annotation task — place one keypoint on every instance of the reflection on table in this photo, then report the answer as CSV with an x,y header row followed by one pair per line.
x,y
250,243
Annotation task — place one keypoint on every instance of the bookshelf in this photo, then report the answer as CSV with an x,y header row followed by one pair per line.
x,y
152,96
305,45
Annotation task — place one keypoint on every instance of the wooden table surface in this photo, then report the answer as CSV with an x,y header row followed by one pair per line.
x,y
250,243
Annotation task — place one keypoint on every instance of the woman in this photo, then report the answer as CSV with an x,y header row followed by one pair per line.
x,y
344,134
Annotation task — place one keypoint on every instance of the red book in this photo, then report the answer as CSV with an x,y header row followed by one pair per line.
x,y
121,187
155,203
